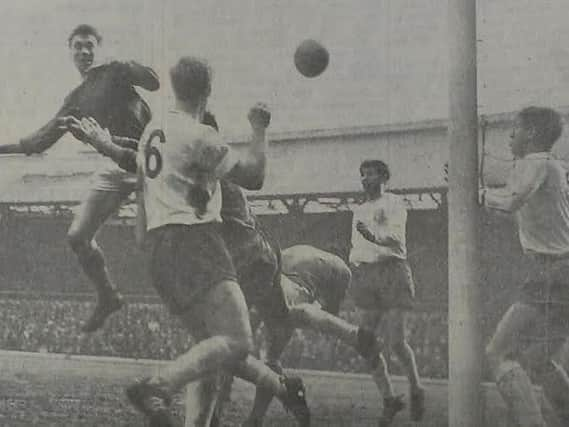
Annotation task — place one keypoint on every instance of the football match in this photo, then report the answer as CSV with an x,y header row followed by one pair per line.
x,y
302,213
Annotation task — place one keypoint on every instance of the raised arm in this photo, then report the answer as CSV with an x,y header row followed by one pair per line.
x,y
249,168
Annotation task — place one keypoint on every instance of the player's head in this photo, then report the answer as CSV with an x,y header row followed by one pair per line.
x,y
191,81
374,174
83,43
536,129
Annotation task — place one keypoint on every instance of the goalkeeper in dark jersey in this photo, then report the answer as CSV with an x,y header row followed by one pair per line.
x,y
107,93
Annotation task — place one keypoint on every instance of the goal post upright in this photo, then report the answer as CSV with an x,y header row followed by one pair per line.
x,y
465,342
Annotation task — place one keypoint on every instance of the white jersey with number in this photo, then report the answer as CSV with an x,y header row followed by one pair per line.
x,y
385,216
538,193
182,161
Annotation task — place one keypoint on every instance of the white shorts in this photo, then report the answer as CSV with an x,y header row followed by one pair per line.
x,y
114,179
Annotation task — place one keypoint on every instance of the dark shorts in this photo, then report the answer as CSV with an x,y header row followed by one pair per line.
x,y
546,287
383,285
255,259
187,261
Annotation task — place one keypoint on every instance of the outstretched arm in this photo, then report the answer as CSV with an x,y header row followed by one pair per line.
x,y
121,150
43,138
11,149
527,177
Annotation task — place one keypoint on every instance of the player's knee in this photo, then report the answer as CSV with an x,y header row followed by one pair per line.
x,y
241,346
301,314
493,357
368,346
399,344
398,337
77,242
490,354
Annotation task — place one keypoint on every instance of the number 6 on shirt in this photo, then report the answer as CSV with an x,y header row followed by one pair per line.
x,y
152,156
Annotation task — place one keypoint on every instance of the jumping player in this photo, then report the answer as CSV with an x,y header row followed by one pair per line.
x,y
383,287
192,271
537,194
107,94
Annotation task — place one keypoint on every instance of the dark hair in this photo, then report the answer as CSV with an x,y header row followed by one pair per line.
x,y
84,30
191,78
381,168
546,123
209,120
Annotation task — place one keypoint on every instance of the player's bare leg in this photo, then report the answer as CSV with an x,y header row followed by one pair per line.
x,y
397,331
544,360
94,211
228,340
289,390
226,379
223,398
201,400
277,337
555,384
202,396
224,313
512,381
370,320
310,316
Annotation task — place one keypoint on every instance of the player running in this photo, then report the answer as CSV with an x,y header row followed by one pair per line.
x,y
383,288
108,94
537,193
182,164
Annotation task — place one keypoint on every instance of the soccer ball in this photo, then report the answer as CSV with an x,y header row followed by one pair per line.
x,y
311,58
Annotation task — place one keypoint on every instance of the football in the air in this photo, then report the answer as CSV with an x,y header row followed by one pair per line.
x,y
311,58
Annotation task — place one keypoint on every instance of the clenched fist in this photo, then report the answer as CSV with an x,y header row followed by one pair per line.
x,y
259,116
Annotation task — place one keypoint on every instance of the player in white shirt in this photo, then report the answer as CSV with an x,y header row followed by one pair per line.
x,y
383,287
180,165
537,194
253,258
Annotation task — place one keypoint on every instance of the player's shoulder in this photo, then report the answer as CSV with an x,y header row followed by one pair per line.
x,y
537,162
181,122
179,126
391,196
108,68
394,200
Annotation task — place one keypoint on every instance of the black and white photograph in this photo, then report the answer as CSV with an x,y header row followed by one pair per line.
x,y
271,213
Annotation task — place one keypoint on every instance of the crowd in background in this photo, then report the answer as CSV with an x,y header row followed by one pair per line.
x,y
147,331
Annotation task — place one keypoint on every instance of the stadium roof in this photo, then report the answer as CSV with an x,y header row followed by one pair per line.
x,y
50,179
388,57
387,71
